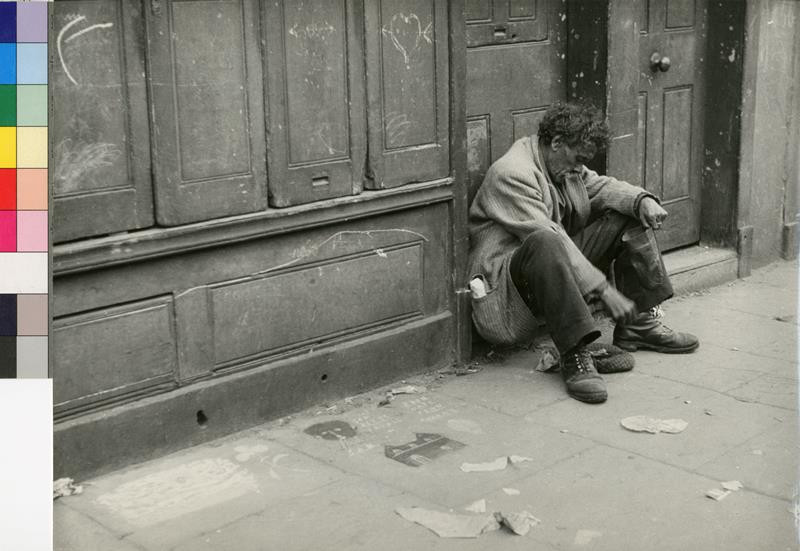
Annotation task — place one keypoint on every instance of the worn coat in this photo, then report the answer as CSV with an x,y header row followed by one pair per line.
x,y
517,196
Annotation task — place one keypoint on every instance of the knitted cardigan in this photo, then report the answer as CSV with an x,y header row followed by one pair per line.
x,y
516,197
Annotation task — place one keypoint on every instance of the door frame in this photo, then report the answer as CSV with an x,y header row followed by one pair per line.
x,y
611,80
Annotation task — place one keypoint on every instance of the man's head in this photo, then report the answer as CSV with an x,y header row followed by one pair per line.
x,y
570,135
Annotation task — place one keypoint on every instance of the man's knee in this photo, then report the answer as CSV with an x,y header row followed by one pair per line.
x,y
544,240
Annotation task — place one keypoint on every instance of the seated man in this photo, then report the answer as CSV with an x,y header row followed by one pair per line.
x,y
544,230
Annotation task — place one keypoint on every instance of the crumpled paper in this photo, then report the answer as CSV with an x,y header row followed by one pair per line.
x,y
548,361
497,465
450,525
519,523
66,487
642,423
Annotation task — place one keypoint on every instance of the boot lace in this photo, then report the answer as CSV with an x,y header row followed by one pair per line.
x,y
583,360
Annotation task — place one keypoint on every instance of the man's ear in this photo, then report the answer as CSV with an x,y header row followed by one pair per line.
x,y
556,142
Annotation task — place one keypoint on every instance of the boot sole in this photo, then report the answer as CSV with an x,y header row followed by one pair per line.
x,y
634,346
589,398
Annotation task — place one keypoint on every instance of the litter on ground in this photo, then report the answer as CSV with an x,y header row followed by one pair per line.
x,y
450,525
519,523
717,495
548,361
497,465
476,506
511,491
732,485
642,423
453,525
66,487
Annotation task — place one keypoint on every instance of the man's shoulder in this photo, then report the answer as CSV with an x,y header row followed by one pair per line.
x,y
517,158
517,163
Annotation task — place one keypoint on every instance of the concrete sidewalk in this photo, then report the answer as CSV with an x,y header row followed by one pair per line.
x,y
593,484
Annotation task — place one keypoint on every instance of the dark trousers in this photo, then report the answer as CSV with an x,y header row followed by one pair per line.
x,y
542,274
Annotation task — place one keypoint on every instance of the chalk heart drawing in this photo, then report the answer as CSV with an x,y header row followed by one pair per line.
x,y
407,34
170,493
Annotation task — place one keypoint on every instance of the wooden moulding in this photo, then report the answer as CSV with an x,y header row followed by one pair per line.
x,y
153,243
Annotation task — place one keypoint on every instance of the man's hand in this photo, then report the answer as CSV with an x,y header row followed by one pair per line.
x,y
622,309
651,214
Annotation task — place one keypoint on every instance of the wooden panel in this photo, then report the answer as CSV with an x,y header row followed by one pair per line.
x,y
112,352
526,123
210,154
316,303
478,10
169,423
522,9
673,152
509,83
101,152
281,243
506,21
194,333
479,152
680,13
407,91
677,143
317,142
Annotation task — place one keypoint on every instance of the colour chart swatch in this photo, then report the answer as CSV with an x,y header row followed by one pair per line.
x,y
24,235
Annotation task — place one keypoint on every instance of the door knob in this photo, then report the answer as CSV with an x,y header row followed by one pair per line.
x,y
659,63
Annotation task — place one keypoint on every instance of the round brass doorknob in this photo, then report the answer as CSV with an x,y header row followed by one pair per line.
x,y
659,63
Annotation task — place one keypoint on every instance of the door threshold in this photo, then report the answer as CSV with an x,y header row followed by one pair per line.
x,y
699,267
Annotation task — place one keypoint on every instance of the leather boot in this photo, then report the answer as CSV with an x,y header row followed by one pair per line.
x,y
582,380
648,333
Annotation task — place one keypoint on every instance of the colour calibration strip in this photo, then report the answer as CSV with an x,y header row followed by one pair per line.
x,y
24,220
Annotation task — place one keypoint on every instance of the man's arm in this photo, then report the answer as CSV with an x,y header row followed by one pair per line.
x,y
606,192
515,200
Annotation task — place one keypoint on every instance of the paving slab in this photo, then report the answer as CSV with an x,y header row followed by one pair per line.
x,y
767,463
736,331
353,514
759,299
769,389
731,422
608,499
710,366
782,274
74,531
486,435
593,484
513,387
159,503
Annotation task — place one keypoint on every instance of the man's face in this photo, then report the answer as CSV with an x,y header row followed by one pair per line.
x,y
563,159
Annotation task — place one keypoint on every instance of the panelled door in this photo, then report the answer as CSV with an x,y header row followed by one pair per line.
x,y
515,69
670,99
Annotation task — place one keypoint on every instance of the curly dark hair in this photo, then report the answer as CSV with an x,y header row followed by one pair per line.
x,y
577,123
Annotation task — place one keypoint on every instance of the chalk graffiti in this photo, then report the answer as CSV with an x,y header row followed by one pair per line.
x,y
312,31
397,124
73,161
407,34
74,20
319,134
